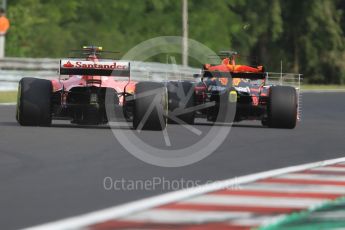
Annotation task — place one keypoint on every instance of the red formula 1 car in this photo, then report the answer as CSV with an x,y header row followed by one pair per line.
x,y
88,91
256,99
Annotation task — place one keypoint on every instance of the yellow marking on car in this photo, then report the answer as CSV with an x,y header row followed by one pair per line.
x,y
233,96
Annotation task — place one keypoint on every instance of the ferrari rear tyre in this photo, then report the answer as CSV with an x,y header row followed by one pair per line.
x,y
150,106
181,98
34,102
282,107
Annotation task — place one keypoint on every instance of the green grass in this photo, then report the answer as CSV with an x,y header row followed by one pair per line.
x,y
323,87
8,96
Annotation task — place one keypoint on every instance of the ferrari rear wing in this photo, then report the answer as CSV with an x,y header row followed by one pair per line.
x,y
95,68
247,75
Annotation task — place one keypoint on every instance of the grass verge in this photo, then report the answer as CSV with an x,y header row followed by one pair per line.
x,y
8,96
323,87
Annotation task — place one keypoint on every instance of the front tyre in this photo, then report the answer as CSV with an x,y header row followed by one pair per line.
x,y
282,107
150,106
34,102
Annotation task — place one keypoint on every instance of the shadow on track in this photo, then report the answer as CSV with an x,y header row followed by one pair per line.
x,y
70,126
124,127
232,125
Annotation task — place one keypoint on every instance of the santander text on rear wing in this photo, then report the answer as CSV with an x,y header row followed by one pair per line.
x,y
95,68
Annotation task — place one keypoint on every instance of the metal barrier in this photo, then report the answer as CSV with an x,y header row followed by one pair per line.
x,y
13,69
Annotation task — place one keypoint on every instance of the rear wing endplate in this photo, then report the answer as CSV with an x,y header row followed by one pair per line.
x,y
95,68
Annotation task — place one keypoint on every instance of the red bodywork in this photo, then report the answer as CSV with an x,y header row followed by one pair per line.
x,y
119,84
80,92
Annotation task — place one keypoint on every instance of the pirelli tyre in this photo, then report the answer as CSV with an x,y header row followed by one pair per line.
x,y
181,101
34,102
282,107
150,106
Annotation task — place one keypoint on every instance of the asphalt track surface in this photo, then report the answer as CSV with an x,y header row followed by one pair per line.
x,y
52,173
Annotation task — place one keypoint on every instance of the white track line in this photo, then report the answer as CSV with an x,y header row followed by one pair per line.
x,y
255,221
303,176
85,220
296,188
291,202
185,217
194,217
329,169
6,104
